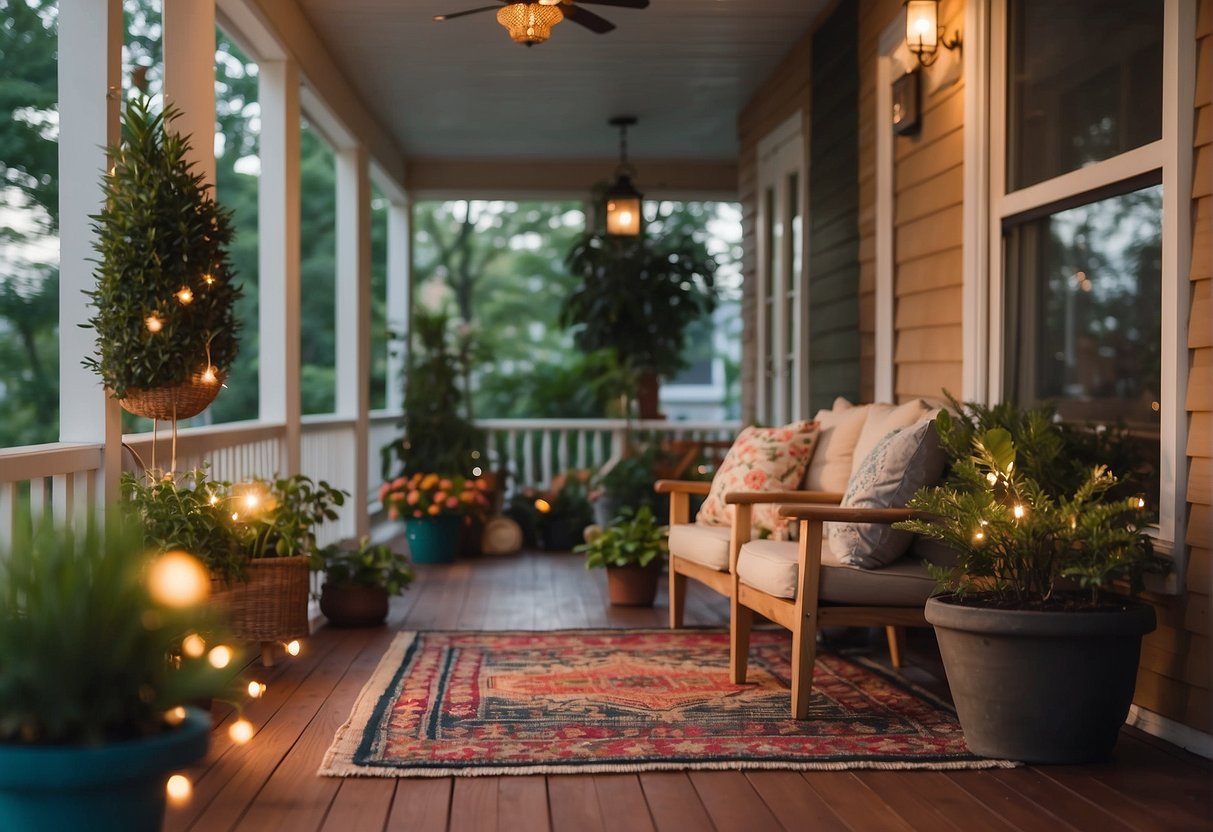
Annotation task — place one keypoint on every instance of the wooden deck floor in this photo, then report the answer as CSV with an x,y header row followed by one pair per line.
x,y
271,783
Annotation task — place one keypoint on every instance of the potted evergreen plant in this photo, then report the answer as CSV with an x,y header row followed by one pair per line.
x,y
359,581
1041,657
166,331
636,299
631,550
96,682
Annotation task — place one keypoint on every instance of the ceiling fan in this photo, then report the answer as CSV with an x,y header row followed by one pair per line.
x,y
530,23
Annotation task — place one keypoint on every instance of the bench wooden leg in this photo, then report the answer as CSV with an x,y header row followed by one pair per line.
x,y
804,654
678,594
897,640
740,620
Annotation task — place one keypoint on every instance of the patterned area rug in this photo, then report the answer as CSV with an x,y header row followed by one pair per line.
x,y
472,703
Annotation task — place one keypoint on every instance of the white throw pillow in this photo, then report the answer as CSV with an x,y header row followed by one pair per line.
x,y
830,467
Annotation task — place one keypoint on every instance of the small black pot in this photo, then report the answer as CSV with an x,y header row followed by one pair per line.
x,y
1040,687
353,605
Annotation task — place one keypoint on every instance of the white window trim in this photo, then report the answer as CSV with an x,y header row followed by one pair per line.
x,y
1173,155
780,154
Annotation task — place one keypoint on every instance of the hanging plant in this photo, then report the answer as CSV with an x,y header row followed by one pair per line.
x,y
164,297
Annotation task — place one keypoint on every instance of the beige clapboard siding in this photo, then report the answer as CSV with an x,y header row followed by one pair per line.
x,y
932,271
931,196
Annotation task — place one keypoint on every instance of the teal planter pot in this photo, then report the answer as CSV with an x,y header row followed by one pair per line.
x,y
433,539
118,787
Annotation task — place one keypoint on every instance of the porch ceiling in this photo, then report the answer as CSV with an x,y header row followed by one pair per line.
x,y
462,89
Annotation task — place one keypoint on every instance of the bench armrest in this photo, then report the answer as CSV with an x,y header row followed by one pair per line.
x,y
682,487
839,514
798,497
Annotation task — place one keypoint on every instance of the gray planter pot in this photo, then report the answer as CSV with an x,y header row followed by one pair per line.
x,y
1040,687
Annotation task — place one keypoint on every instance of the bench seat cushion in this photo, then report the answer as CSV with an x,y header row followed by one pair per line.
x,y
701,543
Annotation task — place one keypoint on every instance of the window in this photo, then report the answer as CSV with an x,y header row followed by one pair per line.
x,y
1089,201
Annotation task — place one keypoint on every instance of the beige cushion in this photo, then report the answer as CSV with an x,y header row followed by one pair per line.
x,y
883,419
701,543
903,462
772,567
830,467
761,459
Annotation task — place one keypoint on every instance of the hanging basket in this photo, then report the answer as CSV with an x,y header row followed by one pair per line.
x,y
179,401
272,604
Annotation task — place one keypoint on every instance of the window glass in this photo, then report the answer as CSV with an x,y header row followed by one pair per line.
x,y
379,335
1085,287
1084,83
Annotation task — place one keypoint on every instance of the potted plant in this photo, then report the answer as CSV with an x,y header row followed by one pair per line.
x,y
96,684
275,522
187,511
563,511
632,551
637,298
166,330
433,508
359,581
1041,657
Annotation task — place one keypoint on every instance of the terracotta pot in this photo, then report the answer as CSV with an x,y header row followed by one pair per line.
x,y
1040,687
353,605
633,586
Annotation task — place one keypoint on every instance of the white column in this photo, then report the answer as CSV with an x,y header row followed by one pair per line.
x,y
90,80
189,76
399,297
354,317
278,264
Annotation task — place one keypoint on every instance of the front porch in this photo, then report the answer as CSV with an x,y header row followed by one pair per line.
x,y
271,782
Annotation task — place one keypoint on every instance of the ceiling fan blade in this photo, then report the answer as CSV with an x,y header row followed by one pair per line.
x,y
453,15
623,4
597,25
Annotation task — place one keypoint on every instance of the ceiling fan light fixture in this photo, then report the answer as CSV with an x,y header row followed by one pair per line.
x,y
529,23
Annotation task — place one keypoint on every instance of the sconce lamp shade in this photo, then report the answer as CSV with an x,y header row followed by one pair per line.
x,y
529,23
623,208
922,26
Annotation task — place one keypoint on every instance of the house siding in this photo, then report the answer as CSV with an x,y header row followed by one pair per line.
x,y
1174,677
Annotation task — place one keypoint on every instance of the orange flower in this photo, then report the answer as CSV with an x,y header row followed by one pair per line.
x,y
440,497
429,481
412,498
452,502
434,509
445,484
399,482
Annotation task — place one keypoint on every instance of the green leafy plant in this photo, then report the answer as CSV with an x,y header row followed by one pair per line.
x,y
438,432
1023,540
90,644
187,512
365,565
278,518
634,539
164,294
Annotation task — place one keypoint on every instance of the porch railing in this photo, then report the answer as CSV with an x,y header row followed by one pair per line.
x,y
62,478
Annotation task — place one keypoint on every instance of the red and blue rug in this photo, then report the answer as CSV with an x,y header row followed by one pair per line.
x,y
580,701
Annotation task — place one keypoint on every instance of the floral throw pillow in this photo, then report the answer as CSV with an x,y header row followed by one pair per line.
x,y
761,459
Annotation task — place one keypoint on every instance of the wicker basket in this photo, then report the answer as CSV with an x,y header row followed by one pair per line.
x,y
180,401
272,605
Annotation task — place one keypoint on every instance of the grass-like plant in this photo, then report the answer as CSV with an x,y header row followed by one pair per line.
x,y
634,539
164,295
91,637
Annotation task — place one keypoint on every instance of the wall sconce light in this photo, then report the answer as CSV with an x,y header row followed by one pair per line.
x,y
924,35
623,201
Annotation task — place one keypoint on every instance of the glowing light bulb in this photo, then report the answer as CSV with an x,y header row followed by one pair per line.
x,y
979,536
179,789
235,517
177,579
256,690
220,657
153,323
1019,512
175,716
208,376
241,731
476,471
1141,503
625,217
208,279
193,645
185,295
214,499
992,478
294,647
251,501
542,506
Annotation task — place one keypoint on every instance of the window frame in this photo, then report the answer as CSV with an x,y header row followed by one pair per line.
x,y
1172,155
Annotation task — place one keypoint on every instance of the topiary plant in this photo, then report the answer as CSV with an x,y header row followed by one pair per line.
x,y
164,293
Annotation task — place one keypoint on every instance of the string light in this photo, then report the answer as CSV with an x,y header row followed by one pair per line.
x,y
543,506
256,690
1141,502
214,499
209,377
220,657
177,579
153,323
992,478
241,731
235,517
175,716
979,535
179,789
294,647
1019,512
476,471
208,279
185,295
251,500
194,645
